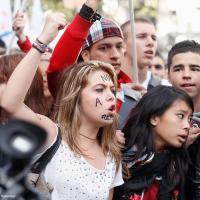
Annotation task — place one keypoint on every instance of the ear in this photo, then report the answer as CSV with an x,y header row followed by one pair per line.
x,y
154,120
124,48
85,55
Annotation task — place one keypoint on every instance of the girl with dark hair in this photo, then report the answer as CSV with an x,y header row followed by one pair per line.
x,y
155,153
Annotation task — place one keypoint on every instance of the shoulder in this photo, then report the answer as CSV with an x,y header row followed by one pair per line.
x,y
51,129
129,92
165,82
154,81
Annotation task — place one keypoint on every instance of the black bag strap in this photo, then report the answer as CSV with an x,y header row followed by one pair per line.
x,y
42,162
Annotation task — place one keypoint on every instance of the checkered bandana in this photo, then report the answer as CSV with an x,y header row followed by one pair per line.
x,y
100,30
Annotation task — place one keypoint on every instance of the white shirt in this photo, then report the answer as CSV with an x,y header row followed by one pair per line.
x,y
72,177
146,81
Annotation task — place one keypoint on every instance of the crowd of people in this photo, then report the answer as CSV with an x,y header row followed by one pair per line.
x,y
120,139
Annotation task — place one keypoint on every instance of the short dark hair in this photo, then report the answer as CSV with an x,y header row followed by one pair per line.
x,y
182,47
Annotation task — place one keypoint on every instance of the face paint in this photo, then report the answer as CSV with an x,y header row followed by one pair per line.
x,y
98,102
106,117
105,77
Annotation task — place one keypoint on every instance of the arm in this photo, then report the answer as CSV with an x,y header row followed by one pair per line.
x,y
16,89
18,27
111,194
68,47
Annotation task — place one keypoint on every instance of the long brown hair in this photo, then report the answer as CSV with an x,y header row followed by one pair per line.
x,y
72,83
35,98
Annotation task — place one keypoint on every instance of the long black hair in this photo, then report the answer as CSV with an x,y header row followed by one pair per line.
x,y
139,133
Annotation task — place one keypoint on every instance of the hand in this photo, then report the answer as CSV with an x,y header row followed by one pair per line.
x,y
53,23
194,133
93,4
137,87
119,135
18,26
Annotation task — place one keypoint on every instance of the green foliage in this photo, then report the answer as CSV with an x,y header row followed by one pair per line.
x,y
142,7
146,8
57,5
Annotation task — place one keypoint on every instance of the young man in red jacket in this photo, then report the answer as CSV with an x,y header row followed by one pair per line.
x,y
102,40
92,39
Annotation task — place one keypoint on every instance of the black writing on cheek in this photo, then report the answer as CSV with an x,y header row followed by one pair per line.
x,y
98,102
105,77
106,117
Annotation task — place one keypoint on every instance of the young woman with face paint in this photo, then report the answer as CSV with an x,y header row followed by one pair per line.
x,y
155,153
87,163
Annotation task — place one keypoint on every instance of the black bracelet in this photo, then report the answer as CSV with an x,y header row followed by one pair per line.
x,y
41,44
89,14
37,47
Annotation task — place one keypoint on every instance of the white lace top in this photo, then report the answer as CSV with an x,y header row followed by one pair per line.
x,y
72,177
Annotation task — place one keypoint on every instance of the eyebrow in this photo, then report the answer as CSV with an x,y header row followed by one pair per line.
x,y
138,34
178,66
182,66
194,65
108,44
184,111
102,84
145,33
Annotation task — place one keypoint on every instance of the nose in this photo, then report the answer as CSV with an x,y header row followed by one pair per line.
x,y
114,53
152,69
111,96
186,74
186,124
150,42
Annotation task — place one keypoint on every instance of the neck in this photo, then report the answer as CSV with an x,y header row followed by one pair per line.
x,y
127,66
88,138
88,133
159,144
142,74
